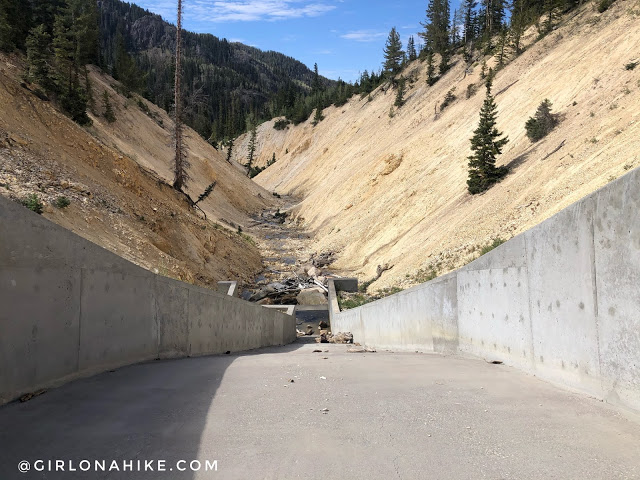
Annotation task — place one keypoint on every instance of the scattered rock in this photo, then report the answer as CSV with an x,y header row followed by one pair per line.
x,y
322,338
325,410
323,378
341,337
317,351
31,395
291,380
323,325
361,350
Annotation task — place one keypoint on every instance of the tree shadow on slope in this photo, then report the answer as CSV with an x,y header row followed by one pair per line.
x,y
146,412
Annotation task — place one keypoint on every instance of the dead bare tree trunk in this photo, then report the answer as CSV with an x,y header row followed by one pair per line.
x,y
181,164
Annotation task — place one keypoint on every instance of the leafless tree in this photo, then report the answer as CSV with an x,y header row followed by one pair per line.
x,y
181,163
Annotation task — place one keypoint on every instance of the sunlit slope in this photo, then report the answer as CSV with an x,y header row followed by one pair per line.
x,y
393,190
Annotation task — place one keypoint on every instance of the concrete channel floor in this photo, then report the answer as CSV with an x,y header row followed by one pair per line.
x,y
390,415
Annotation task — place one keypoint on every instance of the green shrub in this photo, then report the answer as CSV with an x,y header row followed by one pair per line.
x,y
542,122
472,88
448,99
631,65
604,5
353,301
33,203
281,124
494,244
62,202
253,171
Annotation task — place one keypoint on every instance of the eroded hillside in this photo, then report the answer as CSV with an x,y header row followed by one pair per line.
x,y
381,190
117,178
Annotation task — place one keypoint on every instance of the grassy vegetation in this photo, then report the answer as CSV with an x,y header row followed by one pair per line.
x,y
33,203
353,301
494,244
62,202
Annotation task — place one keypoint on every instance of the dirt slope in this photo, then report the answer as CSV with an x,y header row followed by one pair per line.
x,y
116,175
393,190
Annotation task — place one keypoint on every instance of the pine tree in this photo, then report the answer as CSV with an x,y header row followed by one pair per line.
x,y
436,27
486,146
207,191
109,114
6,30
518,24
272,161
229,150
318,117
542,122
431,69
39,56
400,93
251,147
411,49
393,54
468,24
316,86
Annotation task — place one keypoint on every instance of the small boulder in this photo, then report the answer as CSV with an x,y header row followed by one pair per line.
x,y
312,296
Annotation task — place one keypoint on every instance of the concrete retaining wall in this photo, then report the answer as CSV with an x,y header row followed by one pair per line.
x,y
69,308
561,301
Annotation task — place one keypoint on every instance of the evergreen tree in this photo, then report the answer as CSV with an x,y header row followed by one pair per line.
x,y
15,22
125,69
318,117
393,54
431,69
411,49
542,122
6,30
316,86
272,161
502,45
518,24
486,146
39,56
251,147
493,18
109,114
469,8
400,93
436,27
229,150
66,46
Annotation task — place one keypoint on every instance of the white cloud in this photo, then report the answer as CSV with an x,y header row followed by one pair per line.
x,y
363,35
254,10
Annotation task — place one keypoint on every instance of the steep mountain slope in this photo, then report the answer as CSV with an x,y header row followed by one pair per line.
x,y
116,176
393,190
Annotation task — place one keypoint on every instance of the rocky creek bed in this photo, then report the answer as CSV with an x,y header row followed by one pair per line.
x,y
293,273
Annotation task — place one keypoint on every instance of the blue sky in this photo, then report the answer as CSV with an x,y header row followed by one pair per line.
x,y
344,37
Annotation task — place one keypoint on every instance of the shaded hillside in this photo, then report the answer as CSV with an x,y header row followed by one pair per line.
x,y
116,178
223,81
383,190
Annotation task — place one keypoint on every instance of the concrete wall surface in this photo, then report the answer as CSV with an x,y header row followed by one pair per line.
x,y
560,301
70,308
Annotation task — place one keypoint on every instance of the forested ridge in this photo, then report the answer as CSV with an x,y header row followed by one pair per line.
x,y
225,84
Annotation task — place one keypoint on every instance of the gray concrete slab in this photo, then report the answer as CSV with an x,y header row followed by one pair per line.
x,y
390,415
